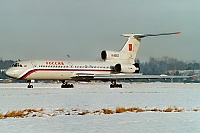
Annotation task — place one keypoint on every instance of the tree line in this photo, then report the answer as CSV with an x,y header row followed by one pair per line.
x,y
164,64
5,64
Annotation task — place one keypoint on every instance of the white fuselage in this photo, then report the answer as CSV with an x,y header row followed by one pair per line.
x,y
114,62
57,70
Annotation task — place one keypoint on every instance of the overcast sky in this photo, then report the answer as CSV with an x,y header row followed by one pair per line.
x,y
53,29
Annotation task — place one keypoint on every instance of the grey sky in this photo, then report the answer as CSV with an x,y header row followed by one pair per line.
x,y
53,29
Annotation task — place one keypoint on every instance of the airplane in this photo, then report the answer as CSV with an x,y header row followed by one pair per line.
x,y
113,67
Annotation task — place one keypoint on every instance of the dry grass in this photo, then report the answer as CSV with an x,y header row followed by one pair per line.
x,y
41,110
195,109
30,110
68,113
33,110
1,116
173,109
120,110
48,114
34,115
97,112
108,111
131,109
54,115
41,115
60,110
22,113
74,109
139,110
156,110
84,112
15,114
169,109
177,109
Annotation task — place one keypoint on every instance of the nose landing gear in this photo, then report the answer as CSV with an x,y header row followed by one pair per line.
x,y
29,84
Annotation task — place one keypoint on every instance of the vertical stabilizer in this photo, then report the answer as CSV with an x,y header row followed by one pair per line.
x,y
132,45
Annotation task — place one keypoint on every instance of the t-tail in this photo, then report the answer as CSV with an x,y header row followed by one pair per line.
x,y
132,45
129,51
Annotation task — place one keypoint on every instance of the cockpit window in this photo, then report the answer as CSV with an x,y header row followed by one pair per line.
x,y
16,65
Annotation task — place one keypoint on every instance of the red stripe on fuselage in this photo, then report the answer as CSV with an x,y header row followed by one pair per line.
x,y
65,70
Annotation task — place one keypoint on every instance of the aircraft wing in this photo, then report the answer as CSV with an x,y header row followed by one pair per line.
x,y
125,76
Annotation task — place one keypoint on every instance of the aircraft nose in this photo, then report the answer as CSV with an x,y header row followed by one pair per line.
x,y
10,73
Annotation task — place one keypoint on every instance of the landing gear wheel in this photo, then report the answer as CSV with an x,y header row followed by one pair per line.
x,y
30,86
66,85
120,85
115,85
111,86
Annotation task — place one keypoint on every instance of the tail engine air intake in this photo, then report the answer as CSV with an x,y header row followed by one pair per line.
x,y
113,55
126,68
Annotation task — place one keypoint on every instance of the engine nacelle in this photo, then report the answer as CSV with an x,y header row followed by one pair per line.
x,y
112,55
126,68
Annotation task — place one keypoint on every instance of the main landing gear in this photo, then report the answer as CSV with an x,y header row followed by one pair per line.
x,y
66,85
29,84
115,85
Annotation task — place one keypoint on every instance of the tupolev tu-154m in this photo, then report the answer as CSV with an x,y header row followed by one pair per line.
x,y
113,67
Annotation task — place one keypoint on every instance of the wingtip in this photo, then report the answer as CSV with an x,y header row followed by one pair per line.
x,y
177,32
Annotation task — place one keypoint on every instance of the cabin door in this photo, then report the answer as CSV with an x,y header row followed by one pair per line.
x,y
71,67
34,64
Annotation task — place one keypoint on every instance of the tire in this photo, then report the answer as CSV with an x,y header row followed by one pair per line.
x,y
30,86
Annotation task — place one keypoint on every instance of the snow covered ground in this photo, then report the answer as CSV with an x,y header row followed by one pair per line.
x,y
58,109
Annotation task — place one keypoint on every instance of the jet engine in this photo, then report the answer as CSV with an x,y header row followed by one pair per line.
x,y
127,68
137,67
113,55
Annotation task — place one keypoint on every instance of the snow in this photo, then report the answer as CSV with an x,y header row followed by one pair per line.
x,y
57,102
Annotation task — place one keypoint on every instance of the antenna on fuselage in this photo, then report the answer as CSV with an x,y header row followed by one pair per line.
x,y
68,56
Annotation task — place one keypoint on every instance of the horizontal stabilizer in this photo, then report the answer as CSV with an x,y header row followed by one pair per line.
x,y
161,34
146,35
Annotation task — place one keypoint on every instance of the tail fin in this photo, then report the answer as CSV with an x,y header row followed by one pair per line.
x,y
131,46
